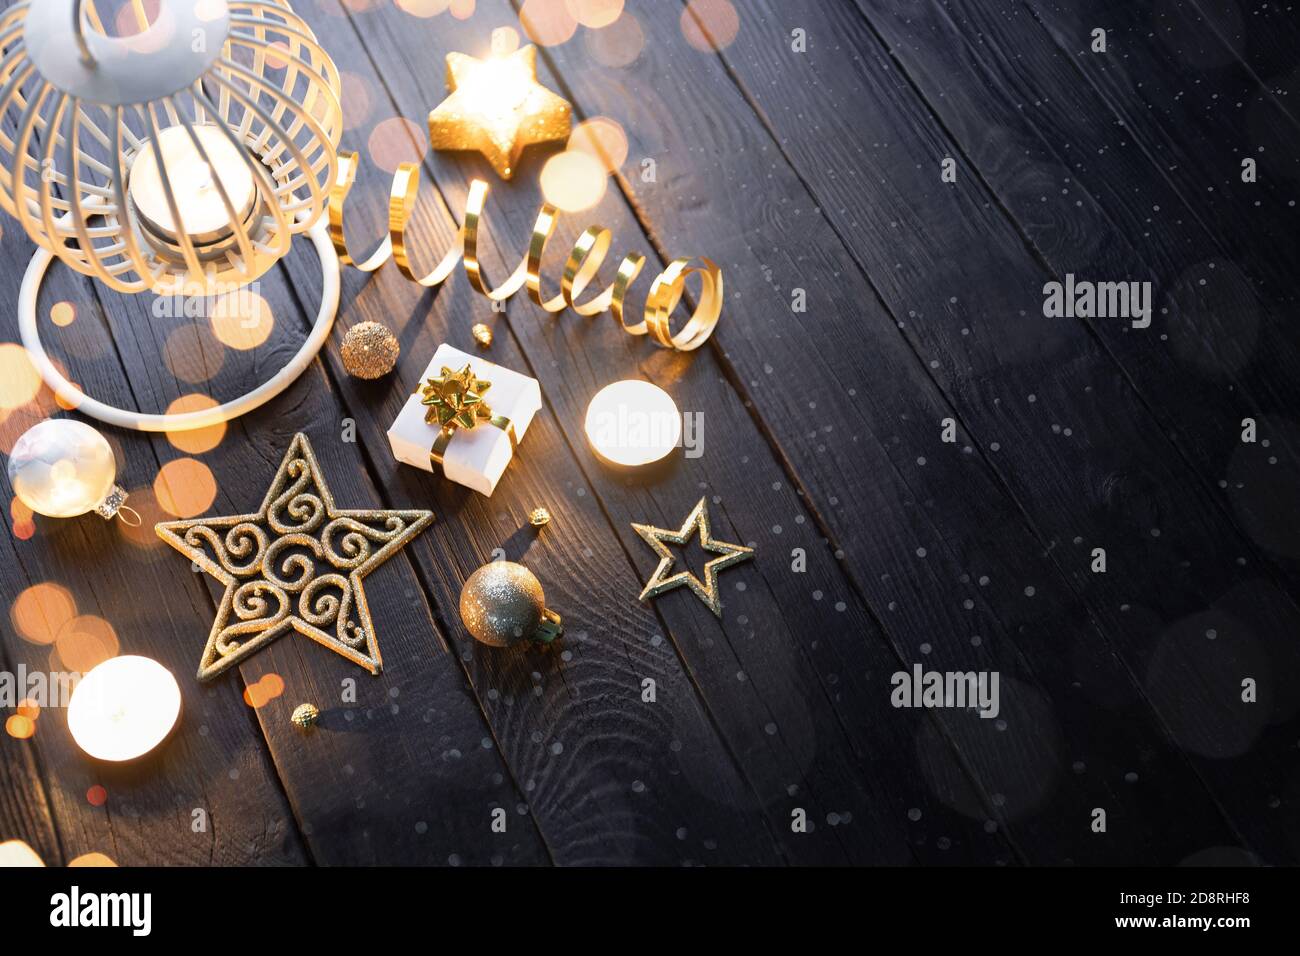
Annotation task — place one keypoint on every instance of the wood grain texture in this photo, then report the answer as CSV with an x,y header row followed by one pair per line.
x,y
754,221
790,713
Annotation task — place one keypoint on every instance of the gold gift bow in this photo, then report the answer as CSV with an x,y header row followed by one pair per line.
x,y
462,414
584,260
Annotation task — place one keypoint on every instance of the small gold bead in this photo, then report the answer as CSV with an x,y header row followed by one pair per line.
x,y
539,517
482,334
305,716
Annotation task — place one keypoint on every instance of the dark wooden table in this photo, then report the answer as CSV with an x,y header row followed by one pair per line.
x,y
811,175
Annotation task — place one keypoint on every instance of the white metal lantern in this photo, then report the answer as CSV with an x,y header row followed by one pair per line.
x,y
180,160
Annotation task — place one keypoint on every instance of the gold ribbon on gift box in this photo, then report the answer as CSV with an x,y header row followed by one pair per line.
x,y
581,266
455,401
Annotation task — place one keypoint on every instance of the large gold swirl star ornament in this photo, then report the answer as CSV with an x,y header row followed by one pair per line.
x,y
497,107
706,590
297,564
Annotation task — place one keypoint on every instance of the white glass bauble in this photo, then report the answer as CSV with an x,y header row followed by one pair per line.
x,y
62,468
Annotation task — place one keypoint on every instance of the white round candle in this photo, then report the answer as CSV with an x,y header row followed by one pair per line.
x,y
194,184
123,708
633,423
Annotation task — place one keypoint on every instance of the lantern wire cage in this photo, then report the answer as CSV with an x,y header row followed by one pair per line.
x,y
181,159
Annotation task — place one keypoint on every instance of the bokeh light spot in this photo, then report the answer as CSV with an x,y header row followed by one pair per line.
x,y
710,24
547,22
41,611
242,320
96,796
20,727
85,641
595,14
19,380
573,181
63,314
193,354
423,8
185,487
92,859
195,441
395,141
604,139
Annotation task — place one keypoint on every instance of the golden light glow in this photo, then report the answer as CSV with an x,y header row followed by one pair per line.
x,y
19,380
595,14
63,314
145,502
20,727
193,354
242,320
462,9
92,859
633,423
196,440
547,22
395,141
573,181
84,642
40,612
603,138
18,853
123,708
422,8
710,24
185,487
264,691
356,93
67,404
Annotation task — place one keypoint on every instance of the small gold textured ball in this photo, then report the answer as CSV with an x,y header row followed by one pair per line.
x,y
502,604
482,334
539,517
370,350
305,716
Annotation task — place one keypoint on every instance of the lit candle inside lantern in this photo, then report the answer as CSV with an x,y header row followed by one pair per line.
x,y
194,185
633,423
123,708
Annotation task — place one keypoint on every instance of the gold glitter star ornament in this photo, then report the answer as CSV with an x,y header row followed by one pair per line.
x,y
296,565
706,591
497,107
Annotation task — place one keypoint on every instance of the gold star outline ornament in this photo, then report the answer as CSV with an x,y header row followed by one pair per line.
x,y
497,107
296,565
661,580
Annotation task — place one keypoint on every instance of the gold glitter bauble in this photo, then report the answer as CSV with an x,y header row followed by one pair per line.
x,y
539,517
305,716
502,604
370,350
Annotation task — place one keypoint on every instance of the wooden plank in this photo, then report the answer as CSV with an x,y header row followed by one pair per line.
x,y
645,634
726,186
211,763
771,696
1189,117
369,787
1103,450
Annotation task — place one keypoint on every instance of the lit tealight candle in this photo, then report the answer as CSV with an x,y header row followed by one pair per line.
x,y
123,708
194,185
633,423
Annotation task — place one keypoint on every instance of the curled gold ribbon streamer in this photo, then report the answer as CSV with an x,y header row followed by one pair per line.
x,y
581,266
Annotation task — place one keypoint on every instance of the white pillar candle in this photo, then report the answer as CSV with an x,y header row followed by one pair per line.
x,y
633,423
123,708
194,184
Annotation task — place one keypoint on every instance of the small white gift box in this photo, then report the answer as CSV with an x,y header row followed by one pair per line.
x,y
474,457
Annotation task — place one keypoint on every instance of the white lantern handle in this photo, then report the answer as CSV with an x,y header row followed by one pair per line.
x,y
74,398
79,31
